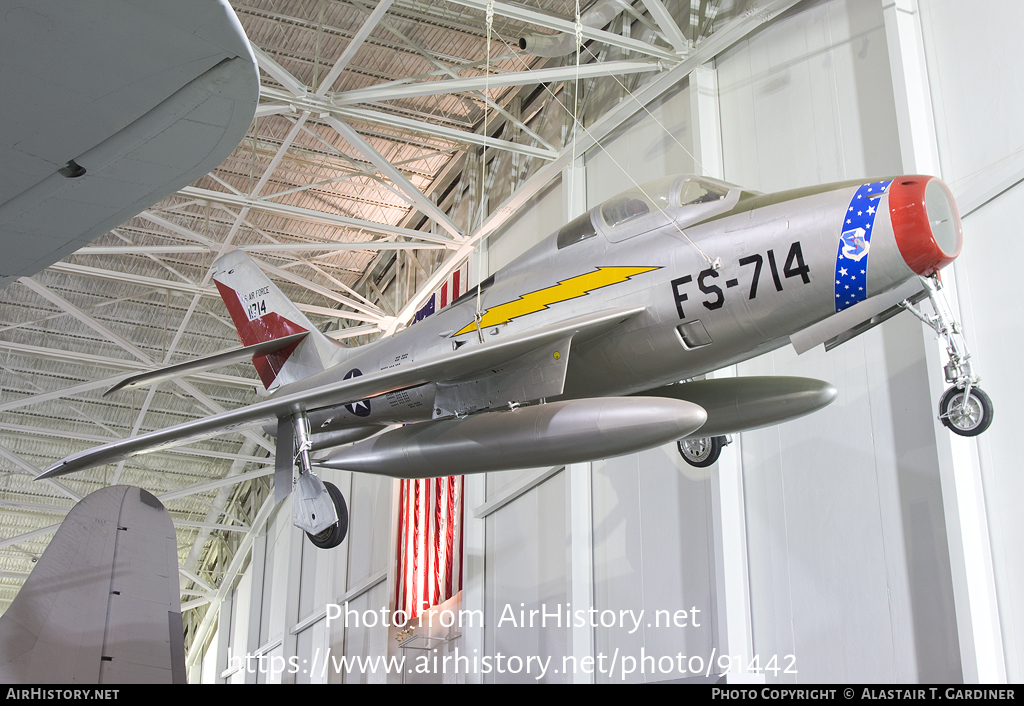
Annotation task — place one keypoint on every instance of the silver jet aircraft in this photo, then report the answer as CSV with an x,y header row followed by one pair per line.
x,y
588,345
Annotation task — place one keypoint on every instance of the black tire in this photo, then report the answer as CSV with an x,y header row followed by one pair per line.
x,y
335,534
701,452
969,421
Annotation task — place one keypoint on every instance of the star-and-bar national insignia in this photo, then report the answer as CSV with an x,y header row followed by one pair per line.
x,y
563,291
855,245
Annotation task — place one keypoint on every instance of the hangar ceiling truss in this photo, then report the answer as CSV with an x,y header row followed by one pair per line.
x,y
356,188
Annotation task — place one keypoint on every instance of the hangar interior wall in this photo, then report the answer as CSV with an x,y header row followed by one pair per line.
x,y
850,539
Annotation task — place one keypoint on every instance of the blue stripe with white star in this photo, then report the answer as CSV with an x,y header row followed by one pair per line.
x,y
855,244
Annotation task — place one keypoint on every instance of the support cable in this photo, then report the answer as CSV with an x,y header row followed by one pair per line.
x,y
715,263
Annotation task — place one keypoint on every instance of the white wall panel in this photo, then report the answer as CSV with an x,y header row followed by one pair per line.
x,y
526,548
370,525
808,100
976,73
275,578
974,68
644,149
363,641
986,279
541,217
847,547
653,557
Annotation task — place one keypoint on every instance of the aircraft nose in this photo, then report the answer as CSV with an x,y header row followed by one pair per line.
x,y
926,223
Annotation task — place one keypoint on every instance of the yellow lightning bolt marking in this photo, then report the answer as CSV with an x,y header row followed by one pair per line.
x,y
563,291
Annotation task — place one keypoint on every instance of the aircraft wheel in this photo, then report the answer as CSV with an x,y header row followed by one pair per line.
x,y
335,534
701,452
967,417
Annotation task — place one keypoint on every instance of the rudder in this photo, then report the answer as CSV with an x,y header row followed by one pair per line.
x,y
261,312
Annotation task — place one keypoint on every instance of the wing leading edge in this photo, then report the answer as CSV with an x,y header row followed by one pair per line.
x,y
435,369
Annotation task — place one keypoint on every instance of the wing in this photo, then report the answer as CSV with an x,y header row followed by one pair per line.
x,y
145,118
436,369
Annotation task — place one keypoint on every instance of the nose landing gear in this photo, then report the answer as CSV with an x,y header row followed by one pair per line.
x,y
964,408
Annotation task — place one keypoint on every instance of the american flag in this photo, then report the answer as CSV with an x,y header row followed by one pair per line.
x,y
446,293
429,543
430,512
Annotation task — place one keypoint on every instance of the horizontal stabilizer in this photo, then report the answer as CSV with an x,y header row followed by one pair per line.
x,y
744,403
206,363
472,357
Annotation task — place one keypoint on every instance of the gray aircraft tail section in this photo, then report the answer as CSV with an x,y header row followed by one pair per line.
x,y
102,604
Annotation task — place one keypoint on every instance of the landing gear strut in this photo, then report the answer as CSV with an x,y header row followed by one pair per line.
x,y
703,451
964,409
318,507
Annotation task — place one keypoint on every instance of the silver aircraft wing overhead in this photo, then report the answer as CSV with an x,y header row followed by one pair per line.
x,y
435,369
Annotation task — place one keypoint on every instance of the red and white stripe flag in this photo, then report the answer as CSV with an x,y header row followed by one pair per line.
x,y
429,543
430,512
454,286
449,291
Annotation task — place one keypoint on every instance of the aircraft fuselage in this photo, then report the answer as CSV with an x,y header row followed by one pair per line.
x,y
722,278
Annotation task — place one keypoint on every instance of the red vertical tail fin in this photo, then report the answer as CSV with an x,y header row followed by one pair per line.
x,y
262,313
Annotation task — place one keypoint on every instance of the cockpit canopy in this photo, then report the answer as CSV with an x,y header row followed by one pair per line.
x,y
684,200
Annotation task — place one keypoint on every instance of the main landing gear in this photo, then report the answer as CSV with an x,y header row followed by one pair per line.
x,y
703,451
964,409
318,507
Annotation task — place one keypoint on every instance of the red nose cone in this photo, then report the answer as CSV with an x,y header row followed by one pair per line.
x,y
926,223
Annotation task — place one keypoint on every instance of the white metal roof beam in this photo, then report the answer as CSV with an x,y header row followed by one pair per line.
x,y
133,349
425,205
184,287
330,294
267,63
448,133
451,71
214,484
205,401
175,228
380,118
668,25
353,46
150,394
265,247
281,152
389,91
42,532
523,14
33,471
341,285
306,214
140,249
372,316
86,319
212,526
